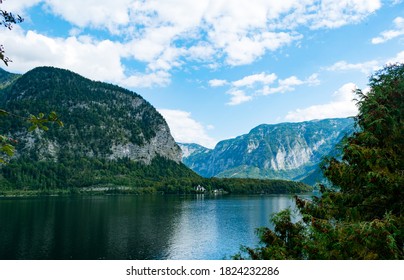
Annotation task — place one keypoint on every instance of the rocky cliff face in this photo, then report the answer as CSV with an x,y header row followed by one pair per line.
x,y
193,155
287,151
101,120
161,144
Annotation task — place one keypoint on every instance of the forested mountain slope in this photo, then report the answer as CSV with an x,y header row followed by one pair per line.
x,y
103,125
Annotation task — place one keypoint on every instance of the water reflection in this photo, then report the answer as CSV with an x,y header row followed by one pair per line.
x,y
132,227
195,229
214,228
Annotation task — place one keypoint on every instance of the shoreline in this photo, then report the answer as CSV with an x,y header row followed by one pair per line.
x,y
125,191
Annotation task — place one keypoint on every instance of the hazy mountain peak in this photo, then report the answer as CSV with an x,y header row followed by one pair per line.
x,y
286,150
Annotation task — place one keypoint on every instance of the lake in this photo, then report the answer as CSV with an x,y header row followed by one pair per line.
x,y
133,227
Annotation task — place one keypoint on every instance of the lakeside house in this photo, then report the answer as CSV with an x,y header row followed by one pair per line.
x,y
200,189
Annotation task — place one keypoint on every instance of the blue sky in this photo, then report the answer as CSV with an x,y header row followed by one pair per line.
x,y
216,68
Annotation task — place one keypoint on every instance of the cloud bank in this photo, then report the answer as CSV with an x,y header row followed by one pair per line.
x,y
187,130
251,86
387,35
159,36
343,105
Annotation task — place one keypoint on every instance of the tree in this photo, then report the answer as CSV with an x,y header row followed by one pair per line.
x,y
362,217
37,122
7,20
7,148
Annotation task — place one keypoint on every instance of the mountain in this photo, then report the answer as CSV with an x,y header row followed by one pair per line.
x,y
193,154
7,78
290,151
110,135
112,141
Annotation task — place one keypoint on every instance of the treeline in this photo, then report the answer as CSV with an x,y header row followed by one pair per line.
x,y
25,173
255,186
126,176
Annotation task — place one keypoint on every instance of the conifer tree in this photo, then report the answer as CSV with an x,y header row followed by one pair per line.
x,y
361,216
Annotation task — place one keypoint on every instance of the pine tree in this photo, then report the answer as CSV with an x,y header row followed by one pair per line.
x,y
361,216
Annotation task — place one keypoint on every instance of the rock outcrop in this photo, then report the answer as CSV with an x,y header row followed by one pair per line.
x,y
286,151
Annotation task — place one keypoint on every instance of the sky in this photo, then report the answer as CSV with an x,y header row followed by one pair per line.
x,y
215,69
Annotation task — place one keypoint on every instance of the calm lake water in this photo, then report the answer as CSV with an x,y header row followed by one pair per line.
x,y
133,227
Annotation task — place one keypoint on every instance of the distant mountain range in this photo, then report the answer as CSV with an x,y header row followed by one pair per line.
x,y
114,136
290,151
112,141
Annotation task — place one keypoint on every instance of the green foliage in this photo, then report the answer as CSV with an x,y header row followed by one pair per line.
x,y
286,241
256,186
7,148
90,172
7,78
38,122
127,176
7,20
370,174
362,218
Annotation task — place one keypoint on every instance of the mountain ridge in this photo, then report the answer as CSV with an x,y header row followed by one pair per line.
x,y
110,136
75,97
113,141
290,151
7,78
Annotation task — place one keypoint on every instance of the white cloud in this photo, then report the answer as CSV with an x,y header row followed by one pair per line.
x,y
238,96
387,35
18,7
249,81
187,130
367,67
251,86
333,14
98,60
246,50
170,58
217,83
201,52
148,80
342,105
289,84
93,13
399,58
165,34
